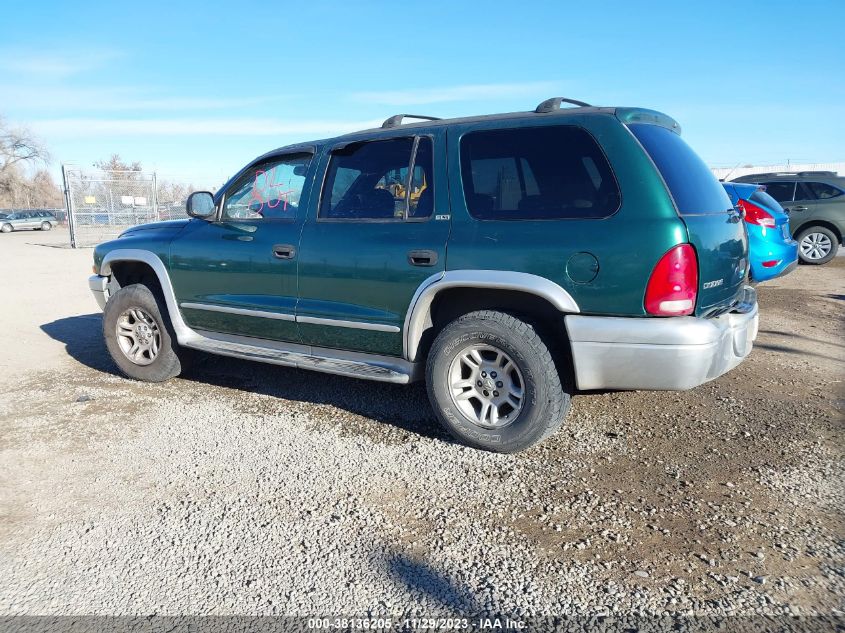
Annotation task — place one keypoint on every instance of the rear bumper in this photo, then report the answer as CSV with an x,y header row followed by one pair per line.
x,y
771,246
673,353
99,288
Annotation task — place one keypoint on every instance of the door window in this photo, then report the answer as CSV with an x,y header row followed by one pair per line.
x,y
380,180
536,173
802,192
270,189
823,191
782,191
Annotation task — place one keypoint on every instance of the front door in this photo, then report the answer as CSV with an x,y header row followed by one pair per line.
x,y
237,274
378,232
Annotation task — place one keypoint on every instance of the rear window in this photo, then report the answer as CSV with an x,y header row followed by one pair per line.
x,y
691,183
536,173
766,200
823,191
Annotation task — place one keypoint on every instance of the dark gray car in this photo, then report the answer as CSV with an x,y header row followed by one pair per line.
x,y
19,220
815,202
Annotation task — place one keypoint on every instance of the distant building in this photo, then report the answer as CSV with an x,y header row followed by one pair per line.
x,y
729,173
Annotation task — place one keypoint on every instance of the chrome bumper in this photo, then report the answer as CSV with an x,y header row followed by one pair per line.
x,y
99,287
660,353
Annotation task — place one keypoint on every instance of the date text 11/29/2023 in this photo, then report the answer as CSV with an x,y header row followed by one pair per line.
x,y
417,624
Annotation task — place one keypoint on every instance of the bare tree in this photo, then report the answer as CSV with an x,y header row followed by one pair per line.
x,y
18,147
122,170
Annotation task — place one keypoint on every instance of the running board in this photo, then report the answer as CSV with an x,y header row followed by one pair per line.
x,y
330,361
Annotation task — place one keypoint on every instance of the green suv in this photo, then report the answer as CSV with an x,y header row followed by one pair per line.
x,y
815,202
507,260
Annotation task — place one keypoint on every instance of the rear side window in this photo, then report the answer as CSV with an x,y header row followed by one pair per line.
x,y
536,173
766,200
380,180
691,183
781,191
823,191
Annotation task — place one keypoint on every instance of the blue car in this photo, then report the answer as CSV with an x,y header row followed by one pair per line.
x,y
771,250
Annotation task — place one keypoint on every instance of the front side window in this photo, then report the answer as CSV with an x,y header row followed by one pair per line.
x,y
268,190
380,180
781,191
536,173
823,191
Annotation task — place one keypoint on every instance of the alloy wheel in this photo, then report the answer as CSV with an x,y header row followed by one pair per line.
x,y
138,335
815,246
486,386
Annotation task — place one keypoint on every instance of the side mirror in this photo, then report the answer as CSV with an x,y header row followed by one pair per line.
x,y
200,205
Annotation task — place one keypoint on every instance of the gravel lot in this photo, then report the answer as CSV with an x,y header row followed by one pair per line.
x,y
252,489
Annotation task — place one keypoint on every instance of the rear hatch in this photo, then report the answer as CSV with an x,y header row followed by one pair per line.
x,y
762,199
715,227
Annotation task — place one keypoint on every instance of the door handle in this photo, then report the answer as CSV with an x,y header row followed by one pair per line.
x,y
800,207
422,258
284,251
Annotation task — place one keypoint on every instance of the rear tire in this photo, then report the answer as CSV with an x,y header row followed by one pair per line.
x,y
46,226
493,382
7,228
817,245
140,337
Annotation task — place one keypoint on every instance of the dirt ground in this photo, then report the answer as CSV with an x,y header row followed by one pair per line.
x,y
726,499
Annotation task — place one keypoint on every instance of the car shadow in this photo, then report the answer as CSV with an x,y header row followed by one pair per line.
x,y
791,350
419,576
795,335
403,406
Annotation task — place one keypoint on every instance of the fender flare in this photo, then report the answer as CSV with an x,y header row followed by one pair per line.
x,y
418,317
184,334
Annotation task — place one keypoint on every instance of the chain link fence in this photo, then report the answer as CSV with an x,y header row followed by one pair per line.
x,y
101,204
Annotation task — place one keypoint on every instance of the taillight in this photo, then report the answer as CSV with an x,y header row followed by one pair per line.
x,y
673,285
756,215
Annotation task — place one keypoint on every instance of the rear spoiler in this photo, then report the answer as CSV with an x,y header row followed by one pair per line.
x,y
641,115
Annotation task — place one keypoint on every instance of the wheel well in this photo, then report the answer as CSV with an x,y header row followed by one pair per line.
x,y
452,303
133,272
828,225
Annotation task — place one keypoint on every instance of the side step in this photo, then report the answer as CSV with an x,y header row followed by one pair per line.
x,y
330,361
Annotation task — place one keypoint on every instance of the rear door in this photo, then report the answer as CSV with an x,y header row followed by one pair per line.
x,y
715,228
814,199
378,231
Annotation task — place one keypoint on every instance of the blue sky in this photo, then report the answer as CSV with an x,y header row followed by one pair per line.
x,y
196,89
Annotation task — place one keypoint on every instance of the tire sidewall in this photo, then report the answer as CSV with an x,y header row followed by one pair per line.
x,y
529,427
6,228
46,226
824,231
166,365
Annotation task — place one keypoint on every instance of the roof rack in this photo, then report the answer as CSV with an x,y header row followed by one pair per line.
x,y
799,174
396,119
553,104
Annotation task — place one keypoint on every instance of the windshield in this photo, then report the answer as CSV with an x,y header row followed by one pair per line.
x,y
691,183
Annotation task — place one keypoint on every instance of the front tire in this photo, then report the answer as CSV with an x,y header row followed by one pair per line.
x,y
7,228
817,245
46,226
493,383
139,335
